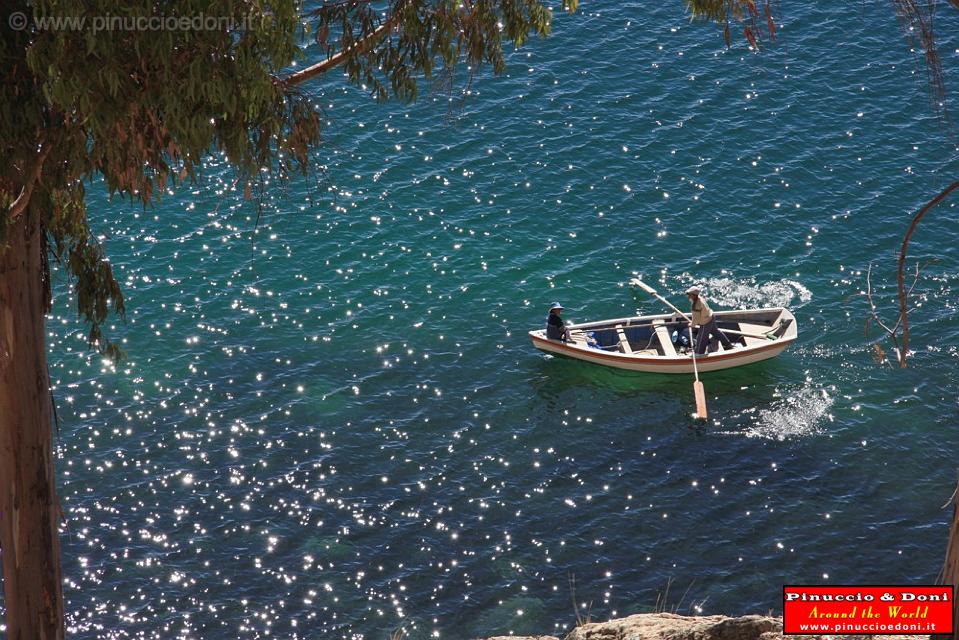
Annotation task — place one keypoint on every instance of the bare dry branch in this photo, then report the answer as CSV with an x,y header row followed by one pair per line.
x,y
872,304
900,276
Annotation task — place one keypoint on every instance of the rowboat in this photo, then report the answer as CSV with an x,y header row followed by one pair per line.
x,y
656,343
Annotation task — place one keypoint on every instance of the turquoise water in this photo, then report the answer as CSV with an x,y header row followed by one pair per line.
x,y
332,423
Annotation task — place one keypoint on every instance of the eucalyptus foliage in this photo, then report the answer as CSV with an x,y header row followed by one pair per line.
x,y
755,15
428,35
98,90
139,108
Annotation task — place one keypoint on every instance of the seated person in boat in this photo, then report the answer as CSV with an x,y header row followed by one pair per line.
x,y
703,318
556,329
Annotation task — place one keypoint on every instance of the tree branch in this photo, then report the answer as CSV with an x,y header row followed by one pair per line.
x,y
903,302
20,204
872,305
360,46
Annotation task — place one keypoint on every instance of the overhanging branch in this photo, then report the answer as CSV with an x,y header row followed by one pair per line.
x,y
900,276
358,47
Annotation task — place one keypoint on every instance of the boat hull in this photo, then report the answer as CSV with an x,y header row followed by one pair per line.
x,y
750,350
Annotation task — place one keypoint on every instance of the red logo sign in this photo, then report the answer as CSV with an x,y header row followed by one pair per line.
x,y
872,610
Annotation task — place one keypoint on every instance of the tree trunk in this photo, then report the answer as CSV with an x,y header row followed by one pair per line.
x,y
29,510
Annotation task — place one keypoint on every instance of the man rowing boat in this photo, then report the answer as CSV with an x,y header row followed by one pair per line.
x,y
703,318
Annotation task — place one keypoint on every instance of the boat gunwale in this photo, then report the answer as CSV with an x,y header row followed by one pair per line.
x,y
664,360
593,324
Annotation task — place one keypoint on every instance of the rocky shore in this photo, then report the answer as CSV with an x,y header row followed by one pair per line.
x,y
668,626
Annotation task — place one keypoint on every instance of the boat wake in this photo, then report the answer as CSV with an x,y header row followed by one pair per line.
x,y
739,294
796,413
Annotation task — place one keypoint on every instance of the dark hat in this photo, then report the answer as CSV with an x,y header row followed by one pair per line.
x,y
555,305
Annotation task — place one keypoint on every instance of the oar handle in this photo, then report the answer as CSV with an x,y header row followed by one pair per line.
x,y
648,289
642,285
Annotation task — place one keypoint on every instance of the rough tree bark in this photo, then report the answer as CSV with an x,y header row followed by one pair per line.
x,y
29,509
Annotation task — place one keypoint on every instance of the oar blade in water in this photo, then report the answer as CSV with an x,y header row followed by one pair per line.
x,y
700,394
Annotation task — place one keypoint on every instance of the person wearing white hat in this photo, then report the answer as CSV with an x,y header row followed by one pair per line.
x,y
555,327
703,318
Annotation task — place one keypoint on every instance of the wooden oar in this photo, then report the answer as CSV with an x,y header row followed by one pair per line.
x,y
748,335
648,289
698,391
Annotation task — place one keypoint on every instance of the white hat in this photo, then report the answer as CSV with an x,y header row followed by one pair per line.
x,y
692,291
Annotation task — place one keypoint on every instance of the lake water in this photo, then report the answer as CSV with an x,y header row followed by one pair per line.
x,y
332,423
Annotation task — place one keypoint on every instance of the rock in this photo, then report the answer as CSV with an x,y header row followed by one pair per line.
x,y
669,626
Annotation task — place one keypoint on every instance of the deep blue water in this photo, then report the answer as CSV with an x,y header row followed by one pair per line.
x,y
332,423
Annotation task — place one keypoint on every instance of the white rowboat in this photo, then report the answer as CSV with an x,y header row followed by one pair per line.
x,y
644,343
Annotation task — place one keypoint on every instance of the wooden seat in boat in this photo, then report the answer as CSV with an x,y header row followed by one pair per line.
x,y
664,340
